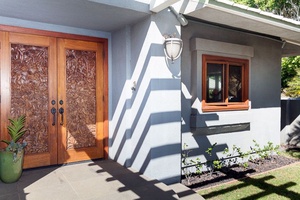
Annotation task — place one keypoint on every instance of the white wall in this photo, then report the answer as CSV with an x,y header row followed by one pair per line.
x,y
145,123
264,91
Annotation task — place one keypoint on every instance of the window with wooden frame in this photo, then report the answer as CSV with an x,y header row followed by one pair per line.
x,y
225,83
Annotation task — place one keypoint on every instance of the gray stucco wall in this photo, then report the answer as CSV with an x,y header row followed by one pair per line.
x,y
145,122
264,94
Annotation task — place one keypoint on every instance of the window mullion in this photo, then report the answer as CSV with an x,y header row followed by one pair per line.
x,y
226,80
243,83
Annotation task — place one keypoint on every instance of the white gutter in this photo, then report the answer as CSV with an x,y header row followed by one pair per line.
x,y
291,42
264,17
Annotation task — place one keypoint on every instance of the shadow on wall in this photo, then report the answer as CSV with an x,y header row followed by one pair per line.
x,y
201,130
133,118
134,130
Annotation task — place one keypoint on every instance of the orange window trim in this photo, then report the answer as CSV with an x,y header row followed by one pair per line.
x,y
225,106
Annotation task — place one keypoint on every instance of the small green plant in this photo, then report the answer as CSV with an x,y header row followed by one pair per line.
x,y
186,163
226,151
198,165
240,153
229,159
217,164
245,164
274,150
243,155
211,165
16,131
266,152
210,149
259,151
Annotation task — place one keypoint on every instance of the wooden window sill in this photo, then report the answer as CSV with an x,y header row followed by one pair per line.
x,y
217,108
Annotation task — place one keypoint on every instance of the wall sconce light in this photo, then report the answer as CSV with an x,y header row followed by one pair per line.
x,y
173,48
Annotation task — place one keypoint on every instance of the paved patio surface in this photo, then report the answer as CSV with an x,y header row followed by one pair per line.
x,y
103,179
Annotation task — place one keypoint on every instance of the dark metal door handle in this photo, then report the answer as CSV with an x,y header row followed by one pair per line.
x,y
53,111
61,112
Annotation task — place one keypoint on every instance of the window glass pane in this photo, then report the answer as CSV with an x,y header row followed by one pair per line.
x,y
235,84
215,83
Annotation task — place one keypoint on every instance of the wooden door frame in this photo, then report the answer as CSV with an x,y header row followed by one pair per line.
x,y
38,32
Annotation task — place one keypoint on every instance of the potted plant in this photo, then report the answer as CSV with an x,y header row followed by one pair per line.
x,y
11,158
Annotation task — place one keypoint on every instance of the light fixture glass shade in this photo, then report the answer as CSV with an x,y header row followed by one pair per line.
x,y
173,48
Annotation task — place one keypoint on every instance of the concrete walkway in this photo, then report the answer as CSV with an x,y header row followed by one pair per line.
x,y
103,179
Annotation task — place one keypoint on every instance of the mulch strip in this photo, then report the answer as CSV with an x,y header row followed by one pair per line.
x,y
237,172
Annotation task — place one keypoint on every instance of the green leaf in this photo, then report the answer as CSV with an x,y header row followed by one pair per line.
x,y
16,128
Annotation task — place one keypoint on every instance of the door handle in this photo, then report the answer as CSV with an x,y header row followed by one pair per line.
x,y
53,111
61,112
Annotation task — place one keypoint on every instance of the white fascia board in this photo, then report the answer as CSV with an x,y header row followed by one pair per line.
x,y
259,17
159,5
188,6
292,42
243,11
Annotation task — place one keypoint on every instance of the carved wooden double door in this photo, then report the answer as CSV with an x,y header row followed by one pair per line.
x,y
58,84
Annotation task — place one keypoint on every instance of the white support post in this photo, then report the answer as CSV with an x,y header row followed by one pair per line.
x,y
159,5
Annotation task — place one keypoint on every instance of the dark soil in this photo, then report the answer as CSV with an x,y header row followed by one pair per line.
x,y
206,180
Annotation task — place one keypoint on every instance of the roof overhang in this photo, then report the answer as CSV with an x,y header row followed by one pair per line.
x,y
249,19
107,15
96,15
240,17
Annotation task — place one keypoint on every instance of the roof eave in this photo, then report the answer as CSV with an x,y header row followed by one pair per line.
x,y
242,17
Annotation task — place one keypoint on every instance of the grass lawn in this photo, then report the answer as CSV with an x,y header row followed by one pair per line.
x,y
283,183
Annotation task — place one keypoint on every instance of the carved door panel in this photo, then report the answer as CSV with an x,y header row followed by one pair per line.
x,y
27,86
80,93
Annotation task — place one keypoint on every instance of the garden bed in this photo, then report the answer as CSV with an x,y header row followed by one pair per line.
x,y
206,179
